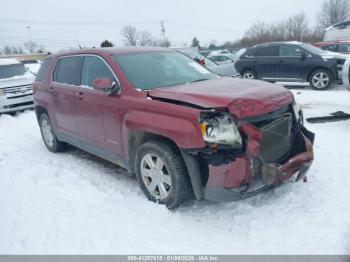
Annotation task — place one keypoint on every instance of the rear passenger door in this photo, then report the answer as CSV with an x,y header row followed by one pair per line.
x,y
265,62
66,78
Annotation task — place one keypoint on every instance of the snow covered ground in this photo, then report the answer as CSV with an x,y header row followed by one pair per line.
x,y
72,202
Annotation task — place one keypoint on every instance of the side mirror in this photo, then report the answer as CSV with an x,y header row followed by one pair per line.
x,y
104,84
302,55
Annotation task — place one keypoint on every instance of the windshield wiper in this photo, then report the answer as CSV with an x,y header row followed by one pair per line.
x,y
200,80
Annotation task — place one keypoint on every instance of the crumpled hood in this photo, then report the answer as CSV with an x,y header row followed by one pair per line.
x,y
243,98
27,79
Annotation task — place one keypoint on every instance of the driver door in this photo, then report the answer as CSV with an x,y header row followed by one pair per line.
x,y
291,63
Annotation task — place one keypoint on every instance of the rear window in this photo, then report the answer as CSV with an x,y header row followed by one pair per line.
x,y
344,48
332,48
68,70
43,69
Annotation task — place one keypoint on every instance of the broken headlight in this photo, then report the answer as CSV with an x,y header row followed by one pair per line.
x,y
219,128
298,112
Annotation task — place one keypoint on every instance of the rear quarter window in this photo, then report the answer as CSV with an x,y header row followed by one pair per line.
x,y
43,69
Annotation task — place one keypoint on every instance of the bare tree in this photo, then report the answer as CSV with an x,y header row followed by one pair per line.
x,y
130,35
297,27
294,28
146,38
333,12
31,46
259,31
7,50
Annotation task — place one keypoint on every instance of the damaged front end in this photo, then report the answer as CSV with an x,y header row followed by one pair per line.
x,y
252,154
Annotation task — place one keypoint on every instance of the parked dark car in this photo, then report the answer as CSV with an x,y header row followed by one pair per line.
x,y
184,131
291,62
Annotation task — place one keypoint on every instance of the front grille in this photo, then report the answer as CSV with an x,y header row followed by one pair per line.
x,y
17,90
277,140
19,105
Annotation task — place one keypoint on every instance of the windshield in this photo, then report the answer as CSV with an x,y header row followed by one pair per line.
x,y
161,69
312,49
8,71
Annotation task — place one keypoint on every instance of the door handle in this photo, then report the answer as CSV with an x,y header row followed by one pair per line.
x,y
80,95
280,61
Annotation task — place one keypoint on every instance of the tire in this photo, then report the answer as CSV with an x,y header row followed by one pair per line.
x,y
159,162
249,74
48,134
321,79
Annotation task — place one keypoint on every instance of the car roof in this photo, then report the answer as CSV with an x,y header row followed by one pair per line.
x,y
9,61
279,43
332,42
111,51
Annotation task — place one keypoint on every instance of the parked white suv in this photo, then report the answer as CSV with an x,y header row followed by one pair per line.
x,y
15,86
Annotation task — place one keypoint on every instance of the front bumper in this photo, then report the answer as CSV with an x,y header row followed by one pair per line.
x,y
236,180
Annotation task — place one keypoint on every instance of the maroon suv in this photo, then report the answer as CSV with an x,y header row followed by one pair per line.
x,y
184,131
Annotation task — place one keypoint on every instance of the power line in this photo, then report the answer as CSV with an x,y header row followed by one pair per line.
x,y
57,22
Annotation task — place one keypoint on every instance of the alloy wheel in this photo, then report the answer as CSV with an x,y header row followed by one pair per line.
x,y
248,76
47,132
155,176
320,80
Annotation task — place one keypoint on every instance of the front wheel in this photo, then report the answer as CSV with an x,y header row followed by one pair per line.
x,y
162,174
249,74
321,79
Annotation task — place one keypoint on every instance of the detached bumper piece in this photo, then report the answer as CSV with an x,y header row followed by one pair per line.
x,y
257,170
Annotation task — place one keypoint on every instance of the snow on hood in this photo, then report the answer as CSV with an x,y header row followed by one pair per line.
x,y
26,79
243,98
333,55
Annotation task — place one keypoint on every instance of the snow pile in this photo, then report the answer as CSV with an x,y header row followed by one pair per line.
x,y
72,202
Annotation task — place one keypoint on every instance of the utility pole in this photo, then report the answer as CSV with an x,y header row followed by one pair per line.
x,y
162,30
30,40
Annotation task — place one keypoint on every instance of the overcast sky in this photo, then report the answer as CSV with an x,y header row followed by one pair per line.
x,y
63,23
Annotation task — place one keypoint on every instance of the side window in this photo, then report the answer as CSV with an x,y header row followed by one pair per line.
x,y
343,48
43,69
223,58
267,51
68,70
94,67
332,48
289,50
215,58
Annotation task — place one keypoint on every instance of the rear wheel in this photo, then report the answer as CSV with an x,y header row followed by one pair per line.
x,y
321,79
162,174
48,134
249,74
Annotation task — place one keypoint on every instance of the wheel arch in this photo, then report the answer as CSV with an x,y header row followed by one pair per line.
x,y
313,70
39,110
192,164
